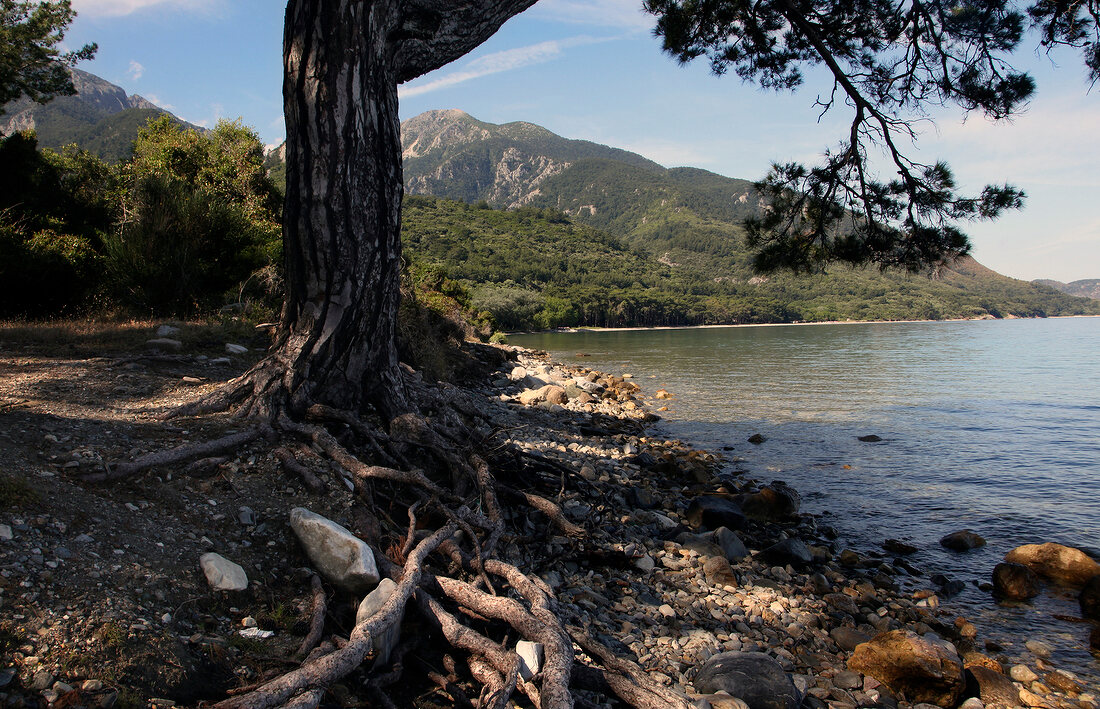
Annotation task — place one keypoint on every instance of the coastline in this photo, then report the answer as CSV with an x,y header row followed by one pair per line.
x,y
104,582
791,324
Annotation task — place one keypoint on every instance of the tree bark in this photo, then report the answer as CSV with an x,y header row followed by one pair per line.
x,y
343,60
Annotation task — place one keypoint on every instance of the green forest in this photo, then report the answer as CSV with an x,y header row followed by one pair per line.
x,y
190,223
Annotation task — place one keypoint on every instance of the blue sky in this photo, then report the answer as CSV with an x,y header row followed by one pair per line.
x,y
592,70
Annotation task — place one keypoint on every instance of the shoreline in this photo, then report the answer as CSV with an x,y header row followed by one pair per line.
x,y
657,328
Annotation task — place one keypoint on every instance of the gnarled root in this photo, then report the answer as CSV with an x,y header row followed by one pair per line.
x,y
320,673
179,454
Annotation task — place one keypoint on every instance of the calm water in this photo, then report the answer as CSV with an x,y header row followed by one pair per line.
x,y
988,425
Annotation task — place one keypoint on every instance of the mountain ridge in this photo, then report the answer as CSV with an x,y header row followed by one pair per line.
x,y
1083,288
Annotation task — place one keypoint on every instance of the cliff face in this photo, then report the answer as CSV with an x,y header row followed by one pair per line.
x,y
1085,288
95,99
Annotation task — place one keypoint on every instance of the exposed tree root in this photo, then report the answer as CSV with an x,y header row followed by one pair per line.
x,y
324,671
317,617
304,474
179,454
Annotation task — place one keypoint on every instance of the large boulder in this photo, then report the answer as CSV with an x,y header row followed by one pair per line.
x,y
963,540
714,511
774,502
731,544
757,679
927,669
1015,582
340,556
384,642
222,574
1090,599
1054,561
991,687
789,551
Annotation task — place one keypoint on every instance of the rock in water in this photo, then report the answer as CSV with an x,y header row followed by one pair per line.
x,y
964,540
1057,562
926,669
386,641
754,677
1090,599
756,439
1015,582
896,546
774,502
222,574
991,687
712,512
340,556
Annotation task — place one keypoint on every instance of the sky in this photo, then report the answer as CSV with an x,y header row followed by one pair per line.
x,y
591,69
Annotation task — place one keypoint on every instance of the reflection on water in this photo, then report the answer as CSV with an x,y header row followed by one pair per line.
x,y
991,425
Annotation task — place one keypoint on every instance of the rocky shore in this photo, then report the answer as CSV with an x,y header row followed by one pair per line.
x,y
719,587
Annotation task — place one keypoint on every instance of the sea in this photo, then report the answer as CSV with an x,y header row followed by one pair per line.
x,y
990,425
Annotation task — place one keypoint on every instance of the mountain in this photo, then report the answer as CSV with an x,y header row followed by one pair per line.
x,y
544,231
101,117
1085,288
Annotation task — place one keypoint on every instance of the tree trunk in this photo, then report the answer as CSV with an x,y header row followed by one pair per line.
x,y
343,60
343,207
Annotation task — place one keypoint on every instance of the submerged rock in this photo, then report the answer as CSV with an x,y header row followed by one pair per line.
x,y
1090,599
964,540
340,556
1056,561
926,669
1015,582
753,677
773,502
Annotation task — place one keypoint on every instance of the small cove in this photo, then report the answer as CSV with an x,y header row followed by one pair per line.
x,y
991,425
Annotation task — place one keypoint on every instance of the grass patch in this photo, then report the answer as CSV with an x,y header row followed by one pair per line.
x,y
15,492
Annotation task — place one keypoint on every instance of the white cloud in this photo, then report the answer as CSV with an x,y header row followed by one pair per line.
x,y
624,14
115,8
136,71
498,62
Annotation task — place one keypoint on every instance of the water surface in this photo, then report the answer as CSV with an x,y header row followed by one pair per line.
x,y
987,425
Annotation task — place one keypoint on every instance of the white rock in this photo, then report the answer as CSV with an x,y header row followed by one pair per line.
x,y
167,331
517,374
5,533
530,658
386,641
338,555
256,633
1022,673
165,343
235,349
222,574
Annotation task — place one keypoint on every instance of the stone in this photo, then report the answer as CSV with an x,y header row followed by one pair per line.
x,y
167,331
731,544
926,669
870,438
384,642
1055,561
1039,648
6,676
756,439
848,638
549,393
530,658
896,546
963,540
1090,599
246,516
1015,582
774,502
699,543
991,687
972,703
718,572
233,349
341,557
714,511
1062,681
517,373
222,574
755,678
667,611
164,343
1094,638
789,551
1022,673
92,685
645,563
720,701
42,680
842,602
6,534
846,679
